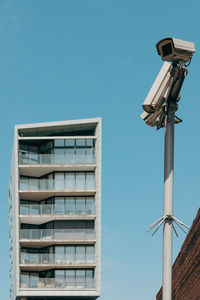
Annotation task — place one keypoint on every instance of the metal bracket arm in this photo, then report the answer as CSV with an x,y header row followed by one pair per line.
x,y
165,219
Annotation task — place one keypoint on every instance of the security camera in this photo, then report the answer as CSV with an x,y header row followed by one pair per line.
x,y
175,50
155,97
150,118
165,93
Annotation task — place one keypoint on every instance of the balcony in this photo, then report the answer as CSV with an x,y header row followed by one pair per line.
x,y
57,234
43,213
56,259
56,209
55,184
55,159
58,283
38,189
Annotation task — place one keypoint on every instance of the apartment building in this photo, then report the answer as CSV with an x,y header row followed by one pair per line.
x,y
55,211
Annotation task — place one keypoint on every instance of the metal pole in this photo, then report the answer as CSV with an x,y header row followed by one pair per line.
x,y
168,206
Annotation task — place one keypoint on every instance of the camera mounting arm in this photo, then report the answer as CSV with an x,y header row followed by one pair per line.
x,y
178,74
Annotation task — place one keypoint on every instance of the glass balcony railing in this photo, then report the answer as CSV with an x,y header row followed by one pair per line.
x,y
54,184
56,209
62,283
57,234
55,259
54,159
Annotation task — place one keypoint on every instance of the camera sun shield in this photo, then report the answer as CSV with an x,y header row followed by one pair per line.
x,y
175,50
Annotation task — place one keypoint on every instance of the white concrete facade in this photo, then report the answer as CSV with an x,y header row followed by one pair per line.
x,y
54,207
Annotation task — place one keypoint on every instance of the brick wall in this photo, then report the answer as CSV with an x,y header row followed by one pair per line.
x,y
186,268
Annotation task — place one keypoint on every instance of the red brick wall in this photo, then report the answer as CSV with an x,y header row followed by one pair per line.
x,y
186,268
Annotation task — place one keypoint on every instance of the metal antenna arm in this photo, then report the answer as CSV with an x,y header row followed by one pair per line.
x,y
181,223
165,219
154,224
175,230
158,226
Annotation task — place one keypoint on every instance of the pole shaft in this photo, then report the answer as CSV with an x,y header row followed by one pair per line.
x,y
168,207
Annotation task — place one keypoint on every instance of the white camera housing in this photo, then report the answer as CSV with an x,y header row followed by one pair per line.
x,y
175,50
155,97
150,118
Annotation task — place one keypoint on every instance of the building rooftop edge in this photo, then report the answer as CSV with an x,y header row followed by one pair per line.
x,y
57,123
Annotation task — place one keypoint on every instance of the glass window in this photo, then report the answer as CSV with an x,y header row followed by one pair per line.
x,y
34,258
59,181
80,151
47,183
47,274
24,280
80,143
80,181
80,278
70,254
60,274
89,224
34,280
24,148
69,156
90,228
35,233
89,156
33,155
42,148
89,274
69,151
24,209
70,206
89,278
47,209
90,181
25,259
80,206
24,183
48,147
60,278
47,159
69,181
59,156
59,143
90,210
24,157
70,278
80,254
59,207
89,151
33,149
59,255
69,143
90,254
35,209
34,184
80,155
49,201
89,142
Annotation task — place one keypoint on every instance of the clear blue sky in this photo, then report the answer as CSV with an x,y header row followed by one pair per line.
x,y
71,59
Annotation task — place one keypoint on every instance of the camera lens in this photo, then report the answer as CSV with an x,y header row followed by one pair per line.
x,y
167,49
